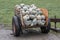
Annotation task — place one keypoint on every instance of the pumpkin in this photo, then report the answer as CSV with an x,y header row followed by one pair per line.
x,y
42,17
31,14
38,17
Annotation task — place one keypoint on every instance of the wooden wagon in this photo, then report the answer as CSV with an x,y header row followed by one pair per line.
x,y
18,23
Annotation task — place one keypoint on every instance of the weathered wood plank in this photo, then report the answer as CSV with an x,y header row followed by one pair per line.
x,y
55,20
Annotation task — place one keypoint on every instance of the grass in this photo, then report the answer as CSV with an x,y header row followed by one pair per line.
x,y
7,8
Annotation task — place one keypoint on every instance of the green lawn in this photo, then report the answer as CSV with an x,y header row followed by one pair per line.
x,y
7,8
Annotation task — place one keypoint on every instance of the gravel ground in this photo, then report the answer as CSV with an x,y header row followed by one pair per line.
x,y
6,35
28,35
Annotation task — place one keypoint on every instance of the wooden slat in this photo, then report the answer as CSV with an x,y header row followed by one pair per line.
x,y
55,20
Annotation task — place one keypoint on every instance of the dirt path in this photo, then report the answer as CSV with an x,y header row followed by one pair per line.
x,y
35,35
5,35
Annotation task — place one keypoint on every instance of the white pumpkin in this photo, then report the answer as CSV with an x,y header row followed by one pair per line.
x,y
32,16
43,21
33,6
34,22
27,12
28,6
26,17
33,12
22,5
38,17
42,17
27,23
25,8
30,9
40,22
38,9
39,12
23,13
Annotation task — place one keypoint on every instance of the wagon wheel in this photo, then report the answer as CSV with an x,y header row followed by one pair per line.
x,y
46,29
16,27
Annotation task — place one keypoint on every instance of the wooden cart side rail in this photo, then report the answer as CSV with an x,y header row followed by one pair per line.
x,y
21,18
55,20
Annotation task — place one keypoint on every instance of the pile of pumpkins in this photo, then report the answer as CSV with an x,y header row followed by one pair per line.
x,y
31,15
